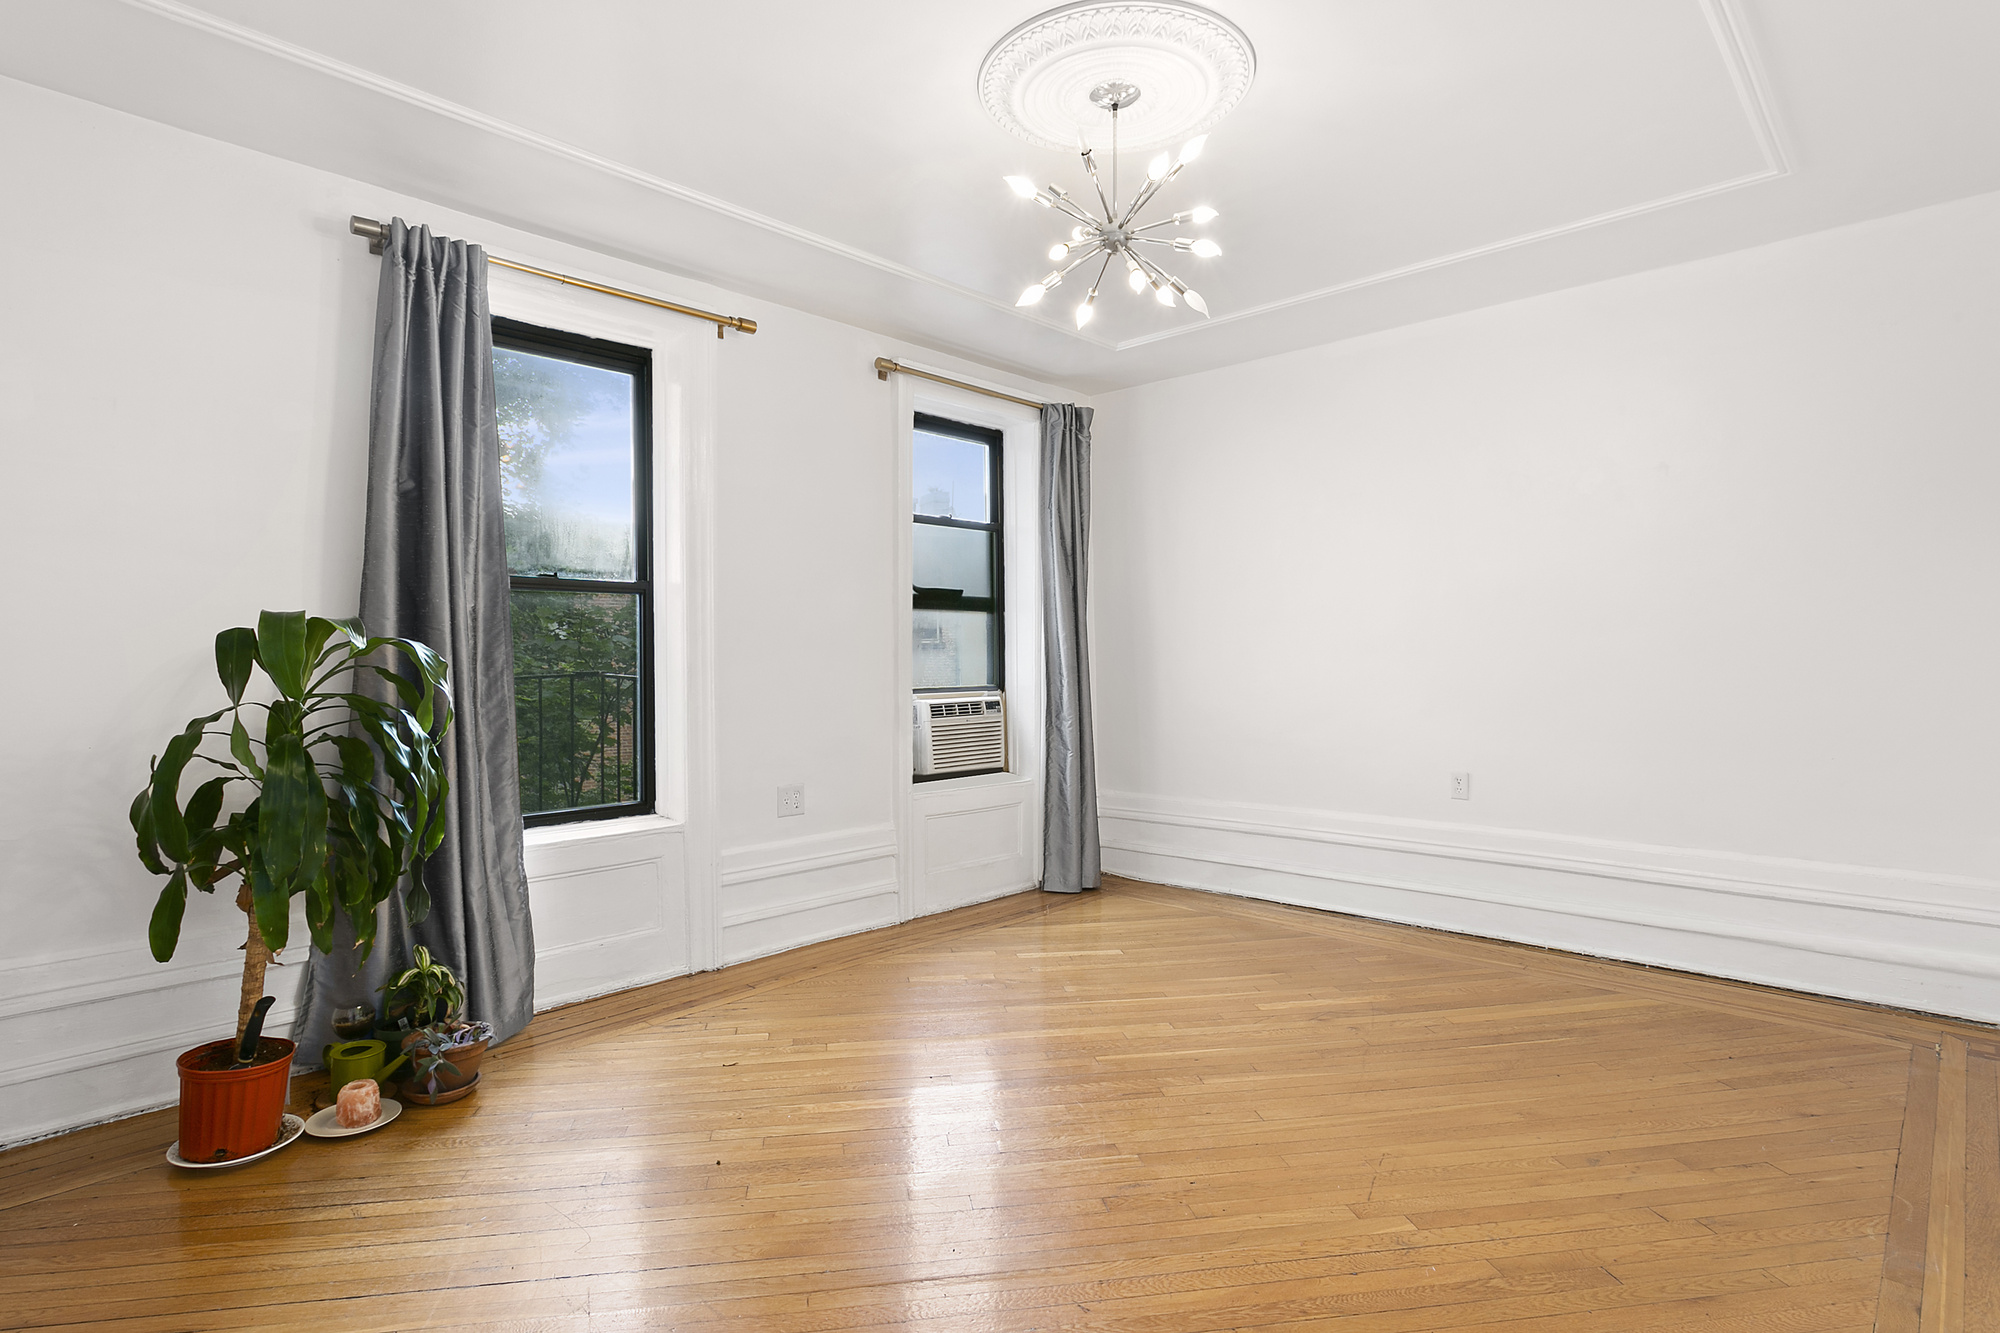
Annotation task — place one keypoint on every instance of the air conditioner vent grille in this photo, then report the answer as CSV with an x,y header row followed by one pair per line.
x,y
960,734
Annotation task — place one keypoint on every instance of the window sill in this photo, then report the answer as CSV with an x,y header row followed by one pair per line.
x,y
970,780
599,830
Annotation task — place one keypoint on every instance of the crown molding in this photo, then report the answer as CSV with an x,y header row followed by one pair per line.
x,y
1726,23
188,16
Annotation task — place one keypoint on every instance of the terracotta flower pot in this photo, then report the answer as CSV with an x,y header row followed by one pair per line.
x,y
229,1113
465,1058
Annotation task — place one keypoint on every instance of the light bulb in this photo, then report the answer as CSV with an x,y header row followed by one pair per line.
x,y
1022,186
1084,312
1194,299
1183,243
1032,295
1202,216
1076,233
1206,248
1192,148
1159,167
1164,295
1058,252
1137,280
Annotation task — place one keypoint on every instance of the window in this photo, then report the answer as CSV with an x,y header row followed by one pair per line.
x,y
959,591
575,448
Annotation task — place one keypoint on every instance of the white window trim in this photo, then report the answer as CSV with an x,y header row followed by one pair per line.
x,y
1021,450
683,500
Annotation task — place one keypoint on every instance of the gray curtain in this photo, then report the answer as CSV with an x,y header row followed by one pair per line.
x,y
434,568
1070,854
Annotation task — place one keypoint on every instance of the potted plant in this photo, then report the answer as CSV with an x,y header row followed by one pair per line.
x,y
443,1049
346,799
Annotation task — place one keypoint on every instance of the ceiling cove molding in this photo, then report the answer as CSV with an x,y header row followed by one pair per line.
x,y
1725,21
189,16
1732,42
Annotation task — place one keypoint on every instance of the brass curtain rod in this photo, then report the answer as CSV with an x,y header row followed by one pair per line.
x,y
377,232
884,367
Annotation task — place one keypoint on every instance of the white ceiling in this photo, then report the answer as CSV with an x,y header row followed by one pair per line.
x,y
1395,159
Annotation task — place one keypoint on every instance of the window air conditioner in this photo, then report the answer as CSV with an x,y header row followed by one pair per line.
x,y
960,733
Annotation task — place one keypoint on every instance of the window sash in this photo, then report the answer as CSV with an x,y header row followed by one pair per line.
x,y
994,606
513,335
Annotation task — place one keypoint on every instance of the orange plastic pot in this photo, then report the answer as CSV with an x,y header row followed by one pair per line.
x,y
230,1113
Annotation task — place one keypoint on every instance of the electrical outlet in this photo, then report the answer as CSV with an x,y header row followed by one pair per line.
x,y
791,800
1461,786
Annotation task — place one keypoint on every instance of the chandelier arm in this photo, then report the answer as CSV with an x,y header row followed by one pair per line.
x,y
1102,271
1145,197
1089,251
1174,221
1158,274
1062,202
1149,240
1090,164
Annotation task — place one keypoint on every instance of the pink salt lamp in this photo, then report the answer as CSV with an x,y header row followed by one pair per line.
x,y
358,1104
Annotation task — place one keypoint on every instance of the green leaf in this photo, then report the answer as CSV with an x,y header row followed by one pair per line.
x,y
418,899
318,631
357,761
319,914
203,807
142,826
289,779
165,931
239,746
169,828
281,647
273,905
235,651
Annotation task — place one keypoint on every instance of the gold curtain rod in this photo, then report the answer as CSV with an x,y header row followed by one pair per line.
x,y
377,232
884,367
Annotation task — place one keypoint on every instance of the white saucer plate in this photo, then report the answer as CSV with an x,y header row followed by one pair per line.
x,y
294,1127
326,1124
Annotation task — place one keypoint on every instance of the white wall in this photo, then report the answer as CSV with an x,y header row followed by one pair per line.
x,y
1693,571
183,386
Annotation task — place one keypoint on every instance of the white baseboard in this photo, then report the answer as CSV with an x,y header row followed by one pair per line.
x,y
1913,940
780,895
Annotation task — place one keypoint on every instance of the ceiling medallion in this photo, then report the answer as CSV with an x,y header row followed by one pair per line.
x,y
1119,234
1194,65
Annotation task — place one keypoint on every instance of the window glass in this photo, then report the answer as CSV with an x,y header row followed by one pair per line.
x,y
952,478
952,560
574,450
954,649
566,463
576,698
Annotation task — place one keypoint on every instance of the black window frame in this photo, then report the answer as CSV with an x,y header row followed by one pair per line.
x,y
517,336
996,605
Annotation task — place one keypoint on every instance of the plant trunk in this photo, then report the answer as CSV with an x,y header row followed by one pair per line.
x,y
256,957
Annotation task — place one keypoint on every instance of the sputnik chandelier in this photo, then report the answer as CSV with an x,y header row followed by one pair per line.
x,y
1119,234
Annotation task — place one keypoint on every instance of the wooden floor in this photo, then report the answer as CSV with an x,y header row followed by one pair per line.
x,y
1142,1108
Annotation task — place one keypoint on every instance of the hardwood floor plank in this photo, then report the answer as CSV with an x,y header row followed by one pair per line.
x,y
1139,1109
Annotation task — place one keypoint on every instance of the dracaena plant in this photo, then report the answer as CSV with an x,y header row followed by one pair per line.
x,y
346,791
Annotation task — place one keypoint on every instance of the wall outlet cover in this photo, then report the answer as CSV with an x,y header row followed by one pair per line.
x,y
1461,786
791,800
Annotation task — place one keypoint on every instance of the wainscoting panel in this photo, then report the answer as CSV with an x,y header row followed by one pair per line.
x,y
975,841
1919,941
92,1036
610,907
779,895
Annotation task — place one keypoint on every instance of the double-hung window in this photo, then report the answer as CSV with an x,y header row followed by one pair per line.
x,y
575,453
959,594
